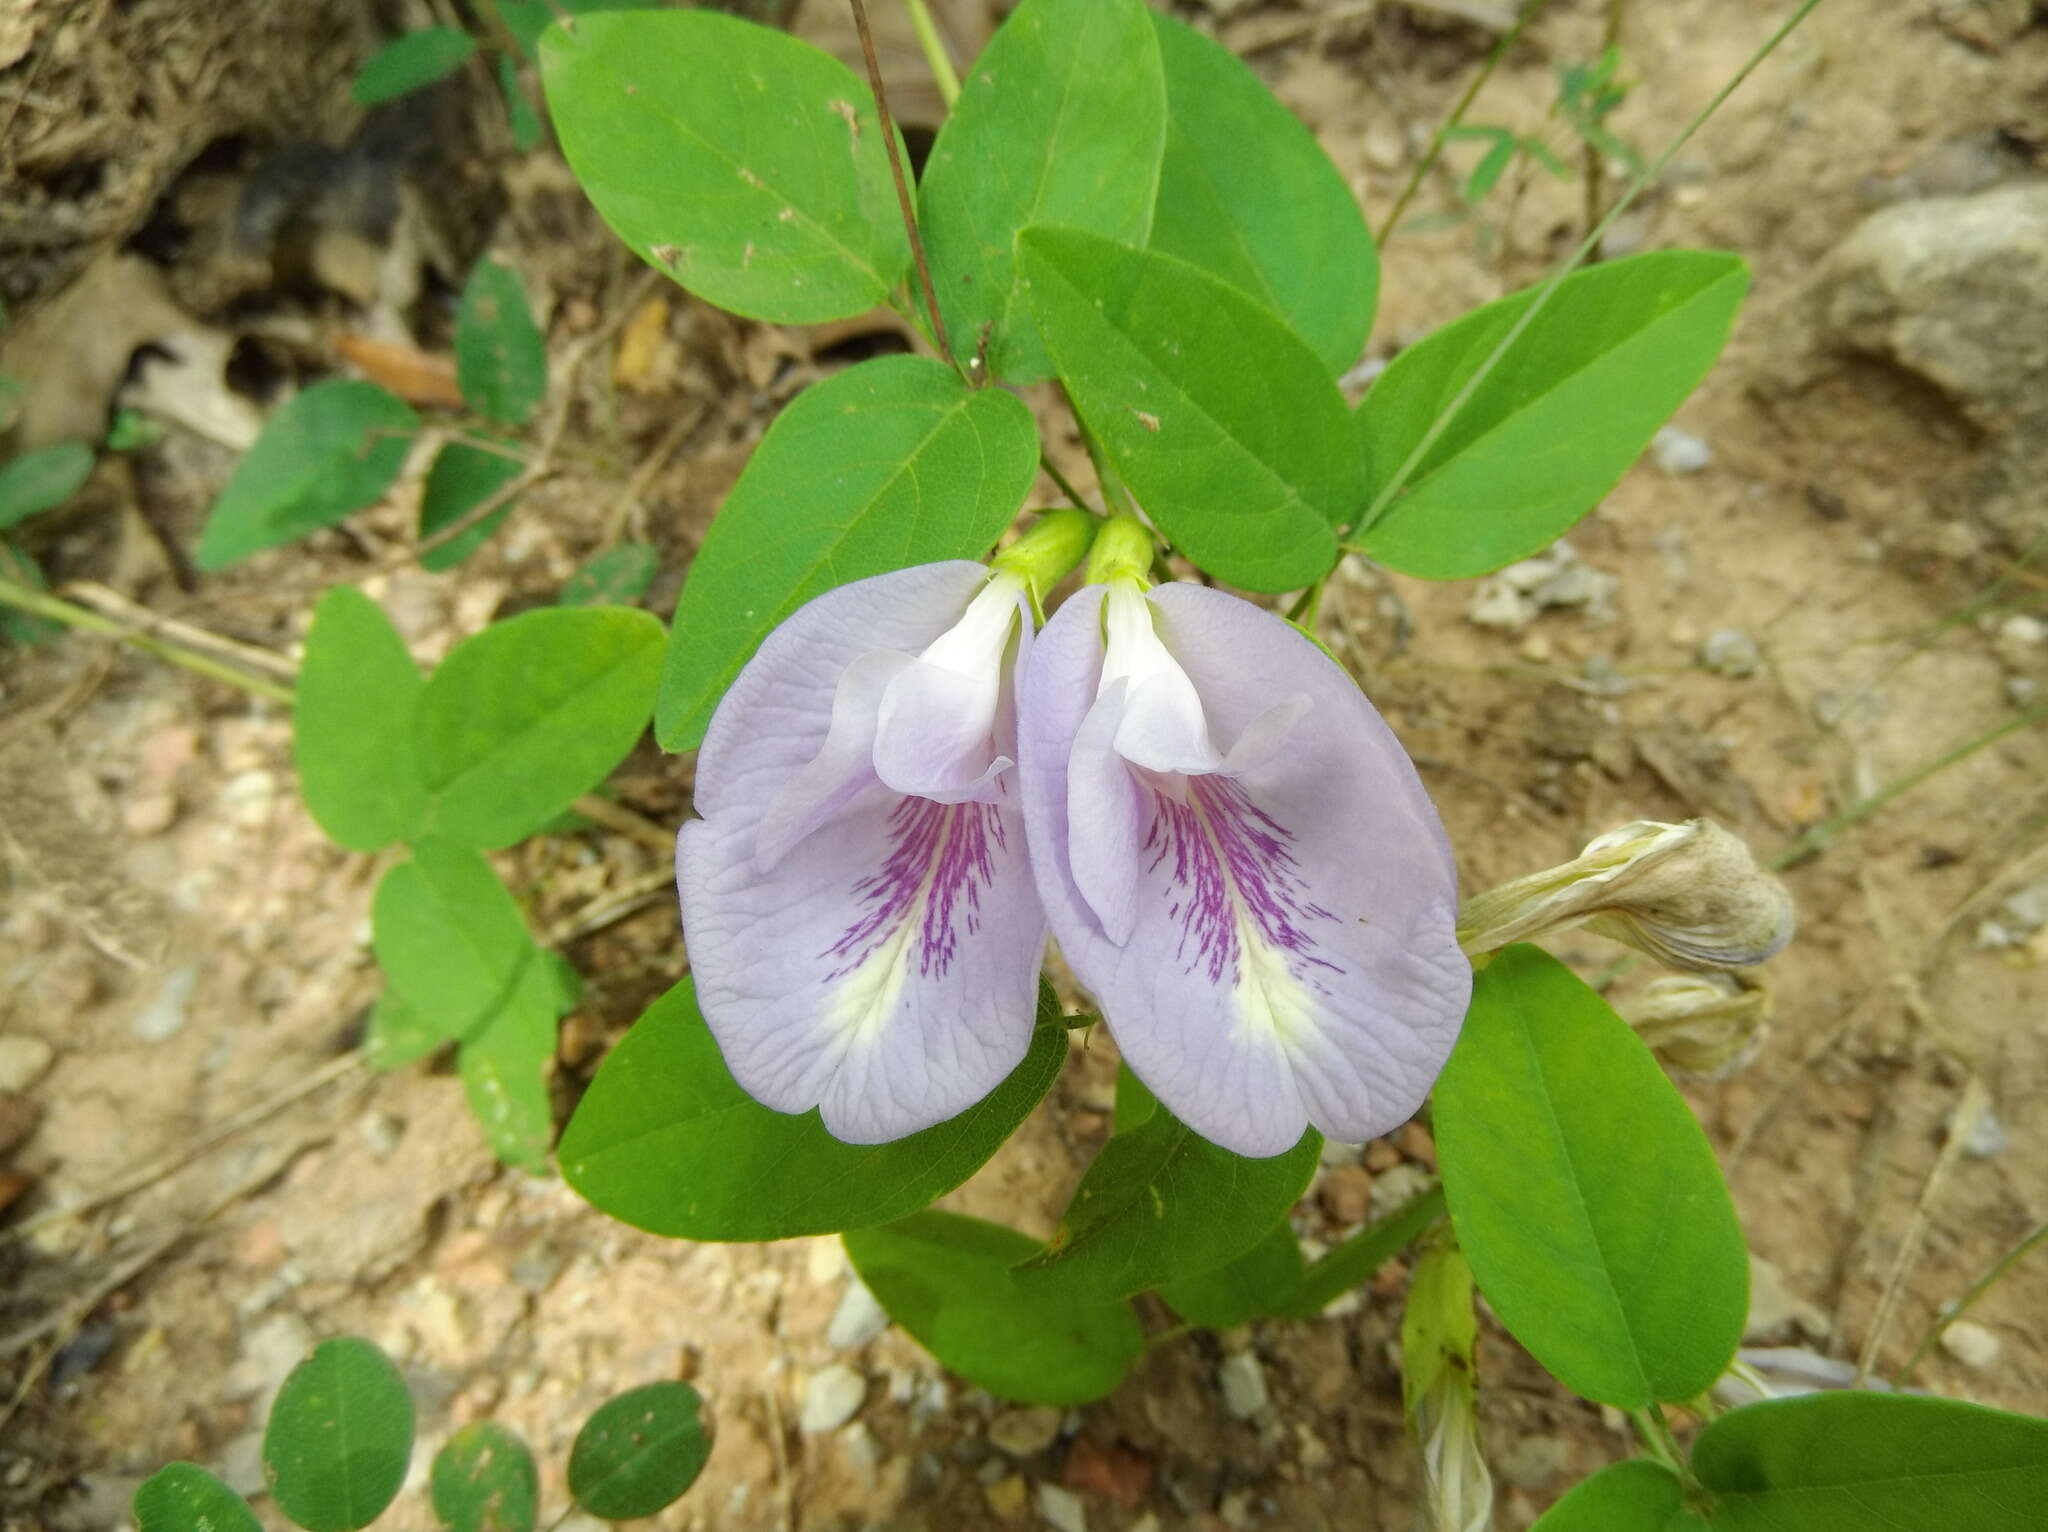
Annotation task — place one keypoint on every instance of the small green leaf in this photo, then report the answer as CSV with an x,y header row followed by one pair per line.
x,y
1247,194
42,480
352,719
1635,1496
1357,1258
1584,1193
746,164
339,1438
1161,1203
463,477
891,463
520,116
617,577
665,1140
410,61
1572,403
526,716
331,451
639,1451
16,625
949,1281
182,1497
450,938
1062,121
1848,1462
1223,422
484,1480
1261,1282
504,1068
398,1035
501,362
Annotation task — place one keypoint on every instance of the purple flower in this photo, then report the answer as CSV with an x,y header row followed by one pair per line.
x,y
858,905
1238,859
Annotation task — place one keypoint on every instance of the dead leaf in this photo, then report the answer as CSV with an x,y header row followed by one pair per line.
x,y
416,376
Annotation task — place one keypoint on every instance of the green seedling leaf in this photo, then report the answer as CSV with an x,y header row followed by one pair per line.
x,y
1584,1193
1357,1258
520,116
665,1140
1572,404
501,362
1636,1496
339,1438
331,451
526,716
891,463
450,939
1247,194
398,1035
504,1068
639,1452
16,625
352,720
744,163
1062,121
1161,1203
484,1480
949,1281
617,577
42,480
1260,1283
1848,1462
463,477
411,61
182,1497
1222,421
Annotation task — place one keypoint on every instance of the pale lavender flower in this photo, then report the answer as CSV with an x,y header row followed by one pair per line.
x,y
1241,864
857,902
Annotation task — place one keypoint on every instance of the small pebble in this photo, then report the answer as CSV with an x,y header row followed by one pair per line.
x,y
1987,1137
23,1061
1679,452
164,1016
858,1319
1023,1432
2022,629
1006,1496
832,1397
1244,1385
861,1449
382,1131
1971,1344
1062,1508
1730,652
2022,691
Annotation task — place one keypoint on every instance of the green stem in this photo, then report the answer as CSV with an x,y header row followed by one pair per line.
x,y
935,57
1114,495
1643,179
1951,1312
1655,1431
1052,472
40,604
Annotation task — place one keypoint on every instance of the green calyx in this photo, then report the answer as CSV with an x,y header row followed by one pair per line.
x,y
1123,551
1047,554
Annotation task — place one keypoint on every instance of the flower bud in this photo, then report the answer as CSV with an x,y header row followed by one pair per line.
x,y
1438,1389
1691,895
1708,1024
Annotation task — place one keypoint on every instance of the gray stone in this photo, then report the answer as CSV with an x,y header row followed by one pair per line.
x,y
1062,1508
1730,652
164,1016
1680,452
858,1319
1025,1431
23,1061
832,1396
1244,1385
1972,1345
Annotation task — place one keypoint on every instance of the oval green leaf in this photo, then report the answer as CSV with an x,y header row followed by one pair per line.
x,y
1062,121
410,61
527,19
1222,421
666,1140
339,1438
501,362
450,938
1259,1283
1635,1496
484,1480
639,1452
1584,1193
948,1280
1848,1462
1571,404
1247,194
528,715
398,1034
504,1068
617,577
182,1497
744,163
888,464
352,717
42,480
462,478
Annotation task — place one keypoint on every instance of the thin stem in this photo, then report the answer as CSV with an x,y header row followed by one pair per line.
x,y
1114,495
924,274
935,56
1596,162
1435,150
1951,1312
20,596
1066,487
1643,178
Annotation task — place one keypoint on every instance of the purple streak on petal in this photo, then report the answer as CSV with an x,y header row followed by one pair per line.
x,y
941,856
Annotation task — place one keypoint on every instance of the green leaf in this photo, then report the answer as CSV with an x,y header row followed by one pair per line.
x,y
891,463
450,938
504,1068
501,362
398,1035
1223,422
1134,1103
1572,404
665,1140
639,1451
617,577
16,625
182,1497
484,1480
1062,121
339,1438
1357,1258
1162,1203
527,19
352,719
1247,194
744,163
1847,1462
411,61
463,477
1584,1193
1259,1283
948,1280
1635,1496
332,450
520,116
42,480
526,716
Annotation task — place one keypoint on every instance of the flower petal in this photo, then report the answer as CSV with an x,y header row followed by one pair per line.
x,y
845,763
1105,818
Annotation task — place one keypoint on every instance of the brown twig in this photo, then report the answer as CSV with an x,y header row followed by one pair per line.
x,y
924,274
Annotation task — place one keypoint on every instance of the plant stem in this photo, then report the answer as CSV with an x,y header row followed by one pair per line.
x,y
924,275
1596,162
1052,472
1114,495
1951,1312
20,596
1643,178
935,56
